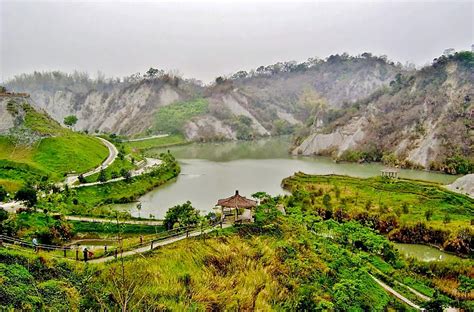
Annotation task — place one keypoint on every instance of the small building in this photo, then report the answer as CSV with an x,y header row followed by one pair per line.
x,y
236,208
391,173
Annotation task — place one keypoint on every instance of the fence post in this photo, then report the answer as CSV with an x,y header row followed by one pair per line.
x,y
64,250
151,245
115,253
77,253
1,241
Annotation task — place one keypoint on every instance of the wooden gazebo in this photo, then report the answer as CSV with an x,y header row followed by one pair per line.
x,y
230,206
391,173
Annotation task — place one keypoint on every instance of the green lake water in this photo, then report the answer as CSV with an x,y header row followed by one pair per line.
x,y
210,171
424,253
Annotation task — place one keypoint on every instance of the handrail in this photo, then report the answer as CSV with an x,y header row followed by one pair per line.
x,y
160,236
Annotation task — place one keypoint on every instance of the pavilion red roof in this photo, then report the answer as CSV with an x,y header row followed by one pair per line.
x,y
236,201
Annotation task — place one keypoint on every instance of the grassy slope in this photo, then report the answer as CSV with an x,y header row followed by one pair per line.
x,y
419,196
62,152
171,118
170,140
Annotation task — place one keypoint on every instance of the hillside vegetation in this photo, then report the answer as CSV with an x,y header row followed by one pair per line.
x,y
266,101
409,211
292,262
35,147
422,120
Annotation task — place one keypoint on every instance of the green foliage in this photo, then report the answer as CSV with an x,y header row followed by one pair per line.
x,y
171,118
27,194
93,199
184,215
113,228
102,176
458,165
171,140
375,202
243,127
3,193
70,120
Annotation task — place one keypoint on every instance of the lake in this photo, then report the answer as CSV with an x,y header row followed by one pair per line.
x,y
424,253
210,171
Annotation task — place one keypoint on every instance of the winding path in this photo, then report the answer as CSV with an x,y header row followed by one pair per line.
x,y
113,152
147,138
103,220
157,244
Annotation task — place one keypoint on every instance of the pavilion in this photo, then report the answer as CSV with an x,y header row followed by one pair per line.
x,y
237,206
391,173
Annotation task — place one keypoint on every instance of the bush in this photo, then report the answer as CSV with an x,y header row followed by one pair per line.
x,y
184,214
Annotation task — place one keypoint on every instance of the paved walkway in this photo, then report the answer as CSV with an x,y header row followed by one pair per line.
x,y
157,244
103,220
113,152
150,162
396,294
147,138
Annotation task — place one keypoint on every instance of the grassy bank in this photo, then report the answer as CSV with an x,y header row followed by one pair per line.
x,y
408,199
52,152
408,211
95,200
174,139
113,228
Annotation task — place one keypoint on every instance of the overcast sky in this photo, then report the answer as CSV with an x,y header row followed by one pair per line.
x,y
205,39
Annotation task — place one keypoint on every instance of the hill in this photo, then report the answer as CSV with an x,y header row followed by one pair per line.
x,y
35,147
271,100
422,120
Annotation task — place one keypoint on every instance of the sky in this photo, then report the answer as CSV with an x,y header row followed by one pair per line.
x,y
206,39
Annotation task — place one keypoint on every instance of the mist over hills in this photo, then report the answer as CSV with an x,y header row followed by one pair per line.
x,y
363,104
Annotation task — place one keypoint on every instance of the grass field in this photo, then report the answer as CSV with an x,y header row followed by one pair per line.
x,y
112,228
174,139
382,196
171,118
58,152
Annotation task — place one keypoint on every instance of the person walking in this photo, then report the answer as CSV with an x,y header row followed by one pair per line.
x,y
85,251
35,244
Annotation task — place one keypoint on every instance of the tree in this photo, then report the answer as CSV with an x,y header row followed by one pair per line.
x,y
81,178
102,176
436,304
184,214
139,208
3,193
447,218
70,120
312,107
126,174
28,195
428,214
405,208
327,201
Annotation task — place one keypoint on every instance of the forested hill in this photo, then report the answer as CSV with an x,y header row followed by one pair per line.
x,y
424,119
273,99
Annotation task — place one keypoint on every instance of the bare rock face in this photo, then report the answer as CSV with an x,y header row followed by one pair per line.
x,y
7,119
12,118
463,185
268,96
425,119
120,109
208,127
345,138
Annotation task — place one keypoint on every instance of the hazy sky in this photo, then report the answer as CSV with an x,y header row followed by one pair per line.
x,y
204,39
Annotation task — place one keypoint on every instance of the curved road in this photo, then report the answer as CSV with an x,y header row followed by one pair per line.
x,y
113,152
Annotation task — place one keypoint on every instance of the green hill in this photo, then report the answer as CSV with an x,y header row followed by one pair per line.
x,y
35,147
